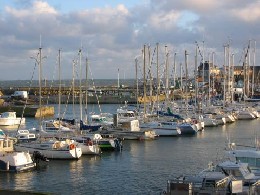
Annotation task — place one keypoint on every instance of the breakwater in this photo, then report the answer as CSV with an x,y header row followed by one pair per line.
x,y
104,95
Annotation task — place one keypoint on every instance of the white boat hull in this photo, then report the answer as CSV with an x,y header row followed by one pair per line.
x,y
11,121
16,161
50,152
90,149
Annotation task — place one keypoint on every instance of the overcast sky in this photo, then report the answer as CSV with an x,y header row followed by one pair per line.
x,y
112,33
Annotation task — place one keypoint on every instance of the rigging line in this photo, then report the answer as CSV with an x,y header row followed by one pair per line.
x,y
241,58
67,102
54,72
76,66
95,90
27,98
199,50
140,70
151,62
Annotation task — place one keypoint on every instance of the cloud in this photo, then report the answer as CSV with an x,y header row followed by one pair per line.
x,y
112,37
38,8
249,13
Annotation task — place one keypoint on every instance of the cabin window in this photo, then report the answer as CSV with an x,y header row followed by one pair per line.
x,y
258,162
251,161
5,144
242,159
236,173
44,146
209,183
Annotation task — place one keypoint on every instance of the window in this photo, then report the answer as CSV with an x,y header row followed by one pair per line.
x,y
258,162
251,161
242,159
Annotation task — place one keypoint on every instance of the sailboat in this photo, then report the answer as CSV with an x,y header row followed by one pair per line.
x,y
49,146
85,125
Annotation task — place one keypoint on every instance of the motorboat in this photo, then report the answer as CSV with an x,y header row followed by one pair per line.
x,y
124,114
13,161
106,142
246,154
104,119
9,119
25,135
130,130
227,177
162,128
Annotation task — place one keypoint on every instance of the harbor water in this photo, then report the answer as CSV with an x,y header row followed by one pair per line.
x,y
142,167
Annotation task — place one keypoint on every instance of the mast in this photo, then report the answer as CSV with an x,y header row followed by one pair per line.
x,y
224,77
144,82
248,68
209,85
38,60
174,69
73,88
229,80
59,108
118,85
203,66
80,85
196,77
253,71
40,86
86,97
232,77
167,76
150,78
213,74
186,79
157,75
136,79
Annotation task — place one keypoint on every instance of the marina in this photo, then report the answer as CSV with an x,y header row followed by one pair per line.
x,y
129,97
145,165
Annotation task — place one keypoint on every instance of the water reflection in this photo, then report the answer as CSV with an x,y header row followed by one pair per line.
x,y
142,167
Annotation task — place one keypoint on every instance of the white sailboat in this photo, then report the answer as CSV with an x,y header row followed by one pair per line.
x,y
51,148
87,146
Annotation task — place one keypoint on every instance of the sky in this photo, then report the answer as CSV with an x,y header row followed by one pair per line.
x,y
111,35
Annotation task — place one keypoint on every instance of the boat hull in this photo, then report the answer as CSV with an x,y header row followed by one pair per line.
x,y
50,153
16,162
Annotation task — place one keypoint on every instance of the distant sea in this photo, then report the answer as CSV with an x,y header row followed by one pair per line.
x,y
66,83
